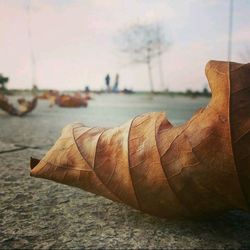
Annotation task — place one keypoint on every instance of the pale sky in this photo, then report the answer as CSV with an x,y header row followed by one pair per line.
x,y
74,41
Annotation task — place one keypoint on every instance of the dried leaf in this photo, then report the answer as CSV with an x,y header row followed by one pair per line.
x,y
25,106
71,101
201,167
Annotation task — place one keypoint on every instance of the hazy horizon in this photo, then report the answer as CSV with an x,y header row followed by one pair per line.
x,y
74,42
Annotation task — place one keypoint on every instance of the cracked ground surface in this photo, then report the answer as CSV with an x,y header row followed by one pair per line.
x,y
41,214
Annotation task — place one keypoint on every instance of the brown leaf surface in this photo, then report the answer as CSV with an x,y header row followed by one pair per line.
x,y
25,106
71,101
201,167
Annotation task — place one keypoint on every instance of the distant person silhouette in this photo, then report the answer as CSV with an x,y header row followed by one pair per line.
x,y
115,88
107,80
87,89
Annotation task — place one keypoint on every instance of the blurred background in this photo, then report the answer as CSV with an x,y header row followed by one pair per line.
x,y
71,44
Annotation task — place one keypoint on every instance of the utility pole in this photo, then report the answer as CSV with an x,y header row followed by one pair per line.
x,y
160,52
230,30
32,55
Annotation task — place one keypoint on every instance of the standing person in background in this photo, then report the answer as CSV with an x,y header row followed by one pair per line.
x,y
115,88
107,81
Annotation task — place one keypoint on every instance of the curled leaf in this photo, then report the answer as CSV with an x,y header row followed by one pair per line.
x,y
25,106
201,167
71,101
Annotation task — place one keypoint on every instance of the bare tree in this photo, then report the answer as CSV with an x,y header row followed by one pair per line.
x,y
3,81
32,54
143,43
163,45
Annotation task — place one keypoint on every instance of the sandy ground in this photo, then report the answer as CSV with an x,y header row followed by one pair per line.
x,y
40,214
